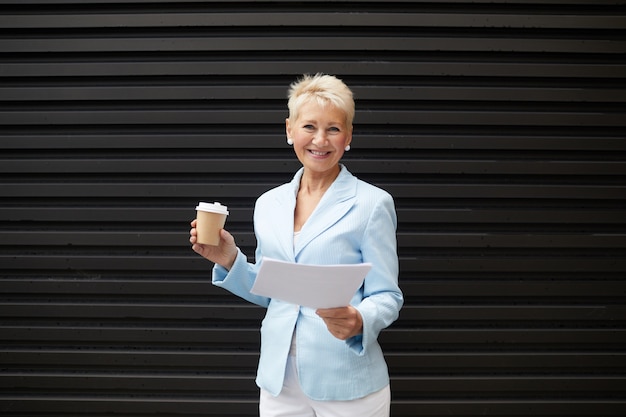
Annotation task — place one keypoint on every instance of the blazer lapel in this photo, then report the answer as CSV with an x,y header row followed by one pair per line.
x,y
282,217
335,203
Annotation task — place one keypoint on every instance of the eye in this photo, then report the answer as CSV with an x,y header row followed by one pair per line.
x,y
309,127
334,129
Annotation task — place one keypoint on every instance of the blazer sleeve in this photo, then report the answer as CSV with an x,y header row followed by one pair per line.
x,y
382,297
239,280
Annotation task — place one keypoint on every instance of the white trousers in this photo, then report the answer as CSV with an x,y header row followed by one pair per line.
x,y
292,402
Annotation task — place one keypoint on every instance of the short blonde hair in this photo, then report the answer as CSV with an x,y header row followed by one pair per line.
x,y
325,89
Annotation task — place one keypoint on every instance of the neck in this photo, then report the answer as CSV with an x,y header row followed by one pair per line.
x,y
310,183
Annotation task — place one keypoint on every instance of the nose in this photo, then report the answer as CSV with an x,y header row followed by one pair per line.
x,y
319,139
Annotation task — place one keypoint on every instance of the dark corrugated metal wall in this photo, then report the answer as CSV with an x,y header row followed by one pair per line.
x,y
498,126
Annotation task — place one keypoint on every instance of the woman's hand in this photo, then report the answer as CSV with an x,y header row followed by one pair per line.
x,y
224,254
342,322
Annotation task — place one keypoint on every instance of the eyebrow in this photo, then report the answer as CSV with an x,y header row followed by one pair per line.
x,y
333,123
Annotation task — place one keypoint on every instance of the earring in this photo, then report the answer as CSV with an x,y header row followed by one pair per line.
x,y
347,148
289,141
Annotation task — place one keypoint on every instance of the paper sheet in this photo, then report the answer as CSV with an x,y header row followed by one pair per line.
x,y
315,286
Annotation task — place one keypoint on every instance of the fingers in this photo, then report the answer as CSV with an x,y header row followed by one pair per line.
x,y
196,247
343,322
193,233
227,237
332,312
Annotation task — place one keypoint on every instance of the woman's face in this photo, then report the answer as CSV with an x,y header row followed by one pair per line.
x,y
319,136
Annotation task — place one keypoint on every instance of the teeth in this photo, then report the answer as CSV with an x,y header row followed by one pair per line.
x,y
318,153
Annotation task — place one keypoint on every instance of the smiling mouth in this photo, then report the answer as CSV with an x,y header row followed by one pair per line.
x,y
318,153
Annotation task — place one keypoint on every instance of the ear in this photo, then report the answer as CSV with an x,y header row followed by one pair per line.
x,y
349,137
287,128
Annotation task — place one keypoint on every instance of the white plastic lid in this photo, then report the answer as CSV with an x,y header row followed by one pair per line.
x,y
212,207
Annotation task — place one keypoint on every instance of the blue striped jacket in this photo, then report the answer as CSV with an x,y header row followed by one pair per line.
x,y
354,222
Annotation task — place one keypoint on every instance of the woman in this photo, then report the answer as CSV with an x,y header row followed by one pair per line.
x,y
324,362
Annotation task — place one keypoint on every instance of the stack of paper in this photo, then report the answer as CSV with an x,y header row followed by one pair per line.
x,y
315,286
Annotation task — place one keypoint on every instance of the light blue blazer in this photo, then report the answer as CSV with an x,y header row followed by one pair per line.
x,y
354,222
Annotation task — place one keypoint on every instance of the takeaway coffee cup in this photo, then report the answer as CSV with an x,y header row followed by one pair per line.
x,y
211,218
